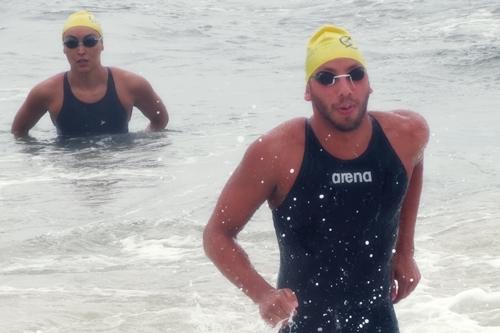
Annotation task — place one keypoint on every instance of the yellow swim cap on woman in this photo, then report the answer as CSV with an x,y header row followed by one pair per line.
x,y
82,18
328,43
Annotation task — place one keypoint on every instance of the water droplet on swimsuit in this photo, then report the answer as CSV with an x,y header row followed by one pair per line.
x,y
292,170
321,196
367,242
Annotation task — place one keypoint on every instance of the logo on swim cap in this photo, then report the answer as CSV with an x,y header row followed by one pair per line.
x,y
347,41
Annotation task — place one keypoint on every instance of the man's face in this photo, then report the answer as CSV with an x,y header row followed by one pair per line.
x,y
87,54
343,104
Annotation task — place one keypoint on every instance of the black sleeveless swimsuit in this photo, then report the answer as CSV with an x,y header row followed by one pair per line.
x,y
106,116
336,231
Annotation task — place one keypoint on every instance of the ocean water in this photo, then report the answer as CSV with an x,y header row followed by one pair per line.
x,y
104,234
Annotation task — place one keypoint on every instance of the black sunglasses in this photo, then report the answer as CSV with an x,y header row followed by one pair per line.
x,y
326,78
87,41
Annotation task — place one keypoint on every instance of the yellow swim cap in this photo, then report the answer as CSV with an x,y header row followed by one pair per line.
x,y
328,43
82,18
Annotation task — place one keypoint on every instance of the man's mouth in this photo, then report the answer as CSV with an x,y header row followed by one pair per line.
x,y
346,109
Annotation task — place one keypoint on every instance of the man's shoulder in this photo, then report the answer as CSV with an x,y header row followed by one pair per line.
x,y
287,133
405,122
406,130
123,74
275,153
120,72
49,87
285,137
125,78
398,116
56,79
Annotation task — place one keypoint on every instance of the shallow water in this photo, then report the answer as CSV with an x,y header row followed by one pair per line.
x,y
104,234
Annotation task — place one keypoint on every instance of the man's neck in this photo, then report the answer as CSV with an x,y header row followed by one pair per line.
x,y
88,79
342,144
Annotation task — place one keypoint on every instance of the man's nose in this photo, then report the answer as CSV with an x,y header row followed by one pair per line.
x,y
344,85
80,48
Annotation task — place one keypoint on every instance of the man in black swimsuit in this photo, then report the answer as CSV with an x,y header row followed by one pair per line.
x,y
89,99
344,189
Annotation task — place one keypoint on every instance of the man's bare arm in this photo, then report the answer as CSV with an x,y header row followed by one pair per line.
x,y
149,103
405,269
33,108
249,186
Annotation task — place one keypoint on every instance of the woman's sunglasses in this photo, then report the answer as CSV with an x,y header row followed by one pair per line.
x,y
87,41
326,78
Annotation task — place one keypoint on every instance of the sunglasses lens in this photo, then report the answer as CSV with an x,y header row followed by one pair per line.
x,y
325,78
71,43
357,74
90,41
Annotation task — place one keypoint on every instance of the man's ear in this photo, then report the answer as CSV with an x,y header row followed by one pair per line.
x,y
307,93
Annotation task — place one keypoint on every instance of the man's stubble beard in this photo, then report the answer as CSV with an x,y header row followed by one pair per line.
x,y
328,112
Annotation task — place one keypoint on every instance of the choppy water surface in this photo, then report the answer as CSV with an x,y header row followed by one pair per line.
x,y
104,234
